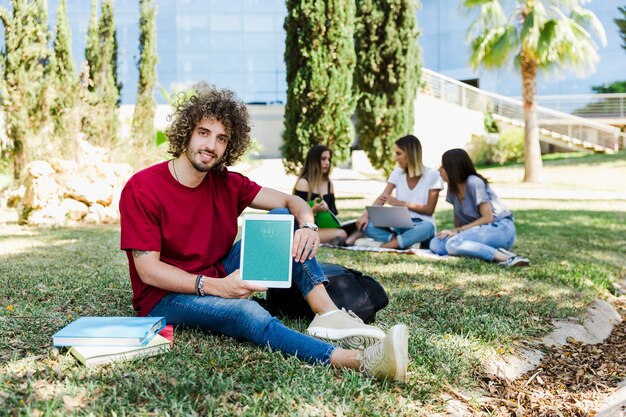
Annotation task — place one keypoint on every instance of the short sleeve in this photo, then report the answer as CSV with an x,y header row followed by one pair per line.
x,y
479,190
139,220
435,183
394,177
247,190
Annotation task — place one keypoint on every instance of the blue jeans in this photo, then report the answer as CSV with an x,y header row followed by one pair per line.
x,y
478,242
421,231
245,319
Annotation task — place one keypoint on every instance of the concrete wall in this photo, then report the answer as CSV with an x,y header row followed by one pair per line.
x,y
441,126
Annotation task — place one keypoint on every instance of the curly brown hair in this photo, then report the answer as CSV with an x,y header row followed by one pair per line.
x,y
212,103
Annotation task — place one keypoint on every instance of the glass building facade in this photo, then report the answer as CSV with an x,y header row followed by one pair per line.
x,y
237,44
240,44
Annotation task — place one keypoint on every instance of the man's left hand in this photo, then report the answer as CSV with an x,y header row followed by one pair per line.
x,y
306,242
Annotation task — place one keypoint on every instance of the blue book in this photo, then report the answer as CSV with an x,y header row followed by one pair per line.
x,y
109,331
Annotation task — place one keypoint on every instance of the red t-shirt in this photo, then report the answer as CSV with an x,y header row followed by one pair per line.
x,y
192,228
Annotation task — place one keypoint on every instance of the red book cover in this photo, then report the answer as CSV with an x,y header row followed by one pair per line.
x,y
168,333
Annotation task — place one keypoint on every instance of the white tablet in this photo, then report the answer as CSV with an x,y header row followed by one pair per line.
x,y
390,216
266,242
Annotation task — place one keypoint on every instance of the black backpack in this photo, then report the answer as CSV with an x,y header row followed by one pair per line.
x,y
348,288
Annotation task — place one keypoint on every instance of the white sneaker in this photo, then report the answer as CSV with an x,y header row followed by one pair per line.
x,y
346,328
516,261
368,242
389,358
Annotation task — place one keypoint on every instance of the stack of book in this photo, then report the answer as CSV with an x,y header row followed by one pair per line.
x,y
99,340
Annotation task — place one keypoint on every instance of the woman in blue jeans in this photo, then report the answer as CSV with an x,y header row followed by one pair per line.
x,y
417,188
484,227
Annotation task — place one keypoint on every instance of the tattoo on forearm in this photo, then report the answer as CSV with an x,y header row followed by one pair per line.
x,y
138,253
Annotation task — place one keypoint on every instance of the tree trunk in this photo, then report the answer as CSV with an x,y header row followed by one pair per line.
x,y
19,158
533,166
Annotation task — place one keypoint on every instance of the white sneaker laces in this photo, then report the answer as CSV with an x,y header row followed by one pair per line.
x,y
351,314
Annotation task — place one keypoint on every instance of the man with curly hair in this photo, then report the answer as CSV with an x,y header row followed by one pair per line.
x,y
179,222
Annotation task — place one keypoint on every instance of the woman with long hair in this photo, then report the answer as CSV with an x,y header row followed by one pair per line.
x,y
417,188
314,185
484,227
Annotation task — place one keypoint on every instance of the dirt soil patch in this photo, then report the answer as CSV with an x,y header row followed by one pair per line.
x,y
571,380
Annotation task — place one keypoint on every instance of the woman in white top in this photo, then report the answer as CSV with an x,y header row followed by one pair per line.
x,y
417,188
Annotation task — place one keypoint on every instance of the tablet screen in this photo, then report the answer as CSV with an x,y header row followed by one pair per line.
x,y
266,249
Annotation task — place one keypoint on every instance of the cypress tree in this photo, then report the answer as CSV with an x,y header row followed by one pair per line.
x,y
143,117
105,77
92,44
100,123
319,55
386,76
64,80
23,68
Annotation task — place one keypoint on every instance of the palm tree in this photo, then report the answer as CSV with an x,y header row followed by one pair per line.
x,y
543,35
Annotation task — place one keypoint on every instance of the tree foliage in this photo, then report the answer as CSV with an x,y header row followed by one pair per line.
x,y
541,35
386,76
92,43
143,130
621,25
23,83
100,122
64,81
320,59
614,87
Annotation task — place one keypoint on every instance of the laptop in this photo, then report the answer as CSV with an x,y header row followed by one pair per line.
x,y
389,216
266,242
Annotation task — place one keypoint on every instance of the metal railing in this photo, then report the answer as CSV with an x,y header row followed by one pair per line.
x,y
553,125
604,106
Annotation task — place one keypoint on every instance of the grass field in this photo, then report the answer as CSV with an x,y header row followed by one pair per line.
x,y
457,312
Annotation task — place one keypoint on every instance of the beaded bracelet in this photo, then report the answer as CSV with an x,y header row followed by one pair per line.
x,y
200,285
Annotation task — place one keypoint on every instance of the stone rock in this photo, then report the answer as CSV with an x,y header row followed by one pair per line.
x,y
454,408
511,367
14,197
47,216
60,191
74,210
38,169
40,192
615,404
99,214
600,319
62,166
90,193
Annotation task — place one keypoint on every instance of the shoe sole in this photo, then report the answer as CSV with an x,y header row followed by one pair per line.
x,y
520,263
355,340
400,335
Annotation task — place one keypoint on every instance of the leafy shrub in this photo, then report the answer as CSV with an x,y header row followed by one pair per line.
x,y
510,147
481,149
490,149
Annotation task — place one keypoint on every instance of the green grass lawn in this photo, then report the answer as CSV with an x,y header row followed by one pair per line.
x,y
457,312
